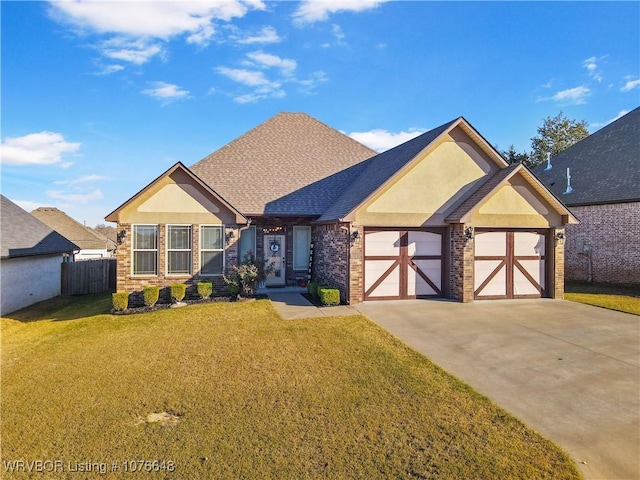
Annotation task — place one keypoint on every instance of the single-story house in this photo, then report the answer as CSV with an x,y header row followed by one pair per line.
x,y
92,244
598,178
442,215
31,258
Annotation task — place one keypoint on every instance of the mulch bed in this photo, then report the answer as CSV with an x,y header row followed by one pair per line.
x,y
186,302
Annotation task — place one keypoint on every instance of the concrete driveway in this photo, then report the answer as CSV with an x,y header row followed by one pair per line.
x,y
568,370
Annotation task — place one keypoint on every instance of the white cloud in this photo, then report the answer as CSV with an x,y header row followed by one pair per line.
x,y
166,92
76,198
382,140
266,35
27,205
286,65
631,84
570,96
311,11
43,148
250,78
592,66
595,125
79,180
108,69
135,29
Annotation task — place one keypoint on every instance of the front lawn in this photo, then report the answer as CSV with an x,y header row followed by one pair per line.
x,y
625,298
229,390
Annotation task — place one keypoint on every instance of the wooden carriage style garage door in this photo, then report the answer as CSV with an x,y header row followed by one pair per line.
x,y
400,264
510,264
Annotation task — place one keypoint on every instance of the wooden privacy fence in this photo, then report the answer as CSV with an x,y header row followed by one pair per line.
x,y
89,276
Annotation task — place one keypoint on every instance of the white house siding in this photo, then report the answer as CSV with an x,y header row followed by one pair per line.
x,y
87,254
27,280
611,235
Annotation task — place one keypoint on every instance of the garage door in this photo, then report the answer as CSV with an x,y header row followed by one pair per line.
x,y
401,264
510,264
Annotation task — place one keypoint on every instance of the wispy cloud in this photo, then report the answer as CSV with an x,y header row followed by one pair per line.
x,y
267,74
570,96
43,148
381,140
595,125
76,198
311,11
136,31
107,69
166,92
631,84
81,180
593,67
266,35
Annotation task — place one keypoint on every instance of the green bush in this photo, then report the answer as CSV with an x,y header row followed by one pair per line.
x,y
311,288
205,289
120,301
329,296
319,287
150,295
233,289
178,291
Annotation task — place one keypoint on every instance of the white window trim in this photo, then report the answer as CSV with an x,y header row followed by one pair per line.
x,y
255,240
133,249
296,267
200,250
166,249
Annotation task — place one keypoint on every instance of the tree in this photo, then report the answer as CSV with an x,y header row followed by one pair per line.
x,y
555,135
513,156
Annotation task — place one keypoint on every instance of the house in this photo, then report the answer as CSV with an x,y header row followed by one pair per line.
x,y
92,244
441,215
598,178
31,258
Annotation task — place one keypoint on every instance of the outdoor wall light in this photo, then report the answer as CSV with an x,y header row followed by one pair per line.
x,y
468,233
355,236
230,236
121,236
559,238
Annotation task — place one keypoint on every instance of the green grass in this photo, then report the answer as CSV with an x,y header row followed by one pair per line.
x,y
625,298
252,396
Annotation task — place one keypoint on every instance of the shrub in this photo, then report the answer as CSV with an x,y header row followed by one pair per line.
x,y
205,289
120,301
329,296
246,275
319,287
178,291
150,295
311,288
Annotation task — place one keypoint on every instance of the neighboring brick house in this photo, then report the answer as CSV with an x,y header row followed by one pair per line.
x,y
92,244
441,215
604,171
31,258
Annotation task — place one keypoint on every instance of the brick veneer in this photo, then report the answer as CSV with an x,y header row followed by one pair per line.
x,y
331,257
461,266
613,233
126,282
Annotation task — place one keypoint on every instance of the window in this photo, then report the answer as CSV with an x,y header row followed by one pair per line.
x,y
179,249
211,249
247,242
145,249
301,243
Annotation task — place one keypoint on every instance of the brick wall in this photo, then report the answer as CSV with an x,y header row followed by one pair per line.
x,y
126,282
461,265
613,234
557,289
331,257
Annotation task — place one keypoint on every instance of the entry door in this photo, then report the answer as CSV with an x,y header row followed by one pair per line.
x,y
274,253
510,264
401,264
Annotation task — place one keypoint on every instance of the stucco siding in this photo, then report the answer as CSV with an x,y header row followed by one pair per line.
x,y
28,280
610,234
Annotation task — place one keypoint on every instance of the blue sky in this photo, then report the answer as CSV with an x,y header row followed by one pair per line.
x,y
99,98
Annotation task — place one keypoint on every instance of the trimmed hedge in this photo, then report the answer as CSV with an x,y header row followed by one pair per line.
x,y
178,291
120,301
151,294
312,288
329,296
205,289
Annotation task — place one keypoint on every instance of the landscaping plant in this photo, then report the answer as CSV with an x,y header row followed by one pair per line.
x,y
205,289
150,294
178,291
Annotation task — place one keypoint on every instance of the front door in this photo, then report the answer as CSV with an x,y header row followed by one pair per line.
x,y
274,254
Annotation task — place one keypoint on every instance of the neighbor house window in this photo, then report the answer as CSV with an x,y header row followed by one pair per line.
x,y
145,249
179,249
301,243
211,249
247,242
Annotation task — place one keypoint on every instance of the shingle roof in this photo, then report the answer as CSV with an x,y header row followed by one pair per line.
x,y
23,235
86,238
291,164
604,167
377,171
